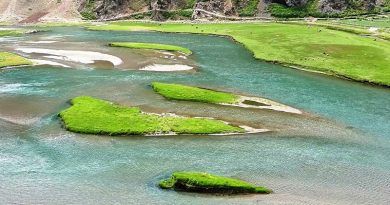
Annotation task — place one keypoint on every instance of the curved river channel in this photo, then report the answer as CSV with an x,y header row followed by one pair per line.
x,y
337,152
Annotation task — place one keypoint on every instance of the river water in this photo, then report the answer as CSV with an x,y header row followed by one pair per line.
x,y
338,152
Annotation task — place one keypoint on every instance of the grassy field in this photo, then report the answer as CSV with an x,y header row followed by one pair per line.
x,y
311,47
188,93
152,46
207,183
94,116
10,59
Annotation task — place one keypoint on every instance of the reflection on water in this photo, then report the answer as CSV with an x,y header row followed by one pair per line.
x,y
336,153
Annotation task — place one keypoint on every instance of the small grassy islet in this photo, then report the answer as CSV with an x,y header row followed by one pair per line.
x,y
208,183
10,59
94,116
189,93
152,46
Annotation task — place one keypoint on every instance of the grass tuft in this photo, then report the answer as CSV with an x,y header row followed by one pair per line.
x,y
207,183
153,46
189,93
94,116
10,59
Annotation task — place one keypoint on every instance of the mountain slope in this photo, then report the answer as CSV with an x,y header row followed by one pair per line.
x,y
30,11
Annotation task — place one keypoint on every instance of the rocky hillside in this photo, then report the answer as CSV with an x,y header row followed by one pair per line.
x,y
34,10
60,10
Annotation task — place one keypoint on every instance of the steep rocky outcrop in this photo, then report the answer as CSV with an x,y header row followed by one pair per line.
x,y
337,6
296,3
224,7
111,8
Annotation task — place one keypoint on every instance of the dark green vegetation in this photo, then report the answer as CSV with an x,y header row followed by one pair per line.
x,y
249,9
88,12
309,46
153,46
188,93
94,116
311,8
207,183
10,59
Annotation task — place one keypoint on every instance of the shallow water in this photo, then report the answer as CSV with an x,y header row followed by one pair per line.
x,y
336,153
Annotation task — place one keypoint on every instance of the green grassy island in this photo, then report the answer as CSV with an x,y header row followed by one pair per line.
x,y
10,59
189,93
308,46
152,46
94,116
207,183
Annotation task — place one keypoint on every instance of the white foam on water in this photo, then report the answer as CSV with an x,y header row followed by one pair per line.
x,y
167,68
20,88
85,57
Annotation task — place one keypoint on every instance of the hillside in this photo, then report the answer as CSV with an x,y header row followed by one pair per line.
x,y
44,10
27,11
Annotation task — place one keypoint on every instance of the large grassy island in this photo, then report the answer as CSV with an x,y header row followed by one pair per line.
x,y
308,46
94,116
207,183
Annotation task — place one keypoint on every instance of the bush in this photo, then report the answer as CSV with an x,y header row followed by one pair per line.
x,y
250,9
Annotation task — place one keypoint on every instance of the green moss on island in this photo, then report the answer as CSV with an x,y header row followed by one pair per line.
x,y
207,183
189,93
94,116
10,59
153,46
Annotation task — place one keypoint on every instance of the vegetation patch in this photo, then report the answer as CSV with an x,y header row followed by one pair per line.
x,y
188,93
207,183
153,46
250,9
12,32
88,12
354,8
10,59
94,116
292,44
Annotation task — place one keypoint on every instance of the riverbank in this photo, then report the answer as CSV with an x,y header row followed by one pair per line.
x,y
310,47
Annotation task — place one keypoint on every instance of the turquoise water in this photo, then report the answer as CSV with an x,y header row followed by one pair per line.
x,y
339,153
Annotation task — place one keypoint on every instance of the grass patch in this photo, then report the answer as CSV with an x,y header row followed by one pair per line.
x,y
188,93
293,44
153,46
207,183
94,116
10,59
11,32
